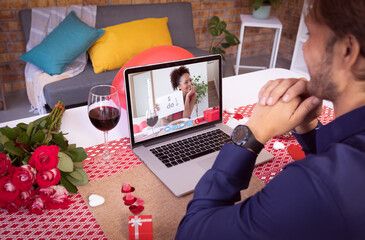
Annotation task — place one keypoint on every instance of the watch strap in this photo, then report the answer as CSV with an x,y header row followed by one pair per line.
x,y
253,144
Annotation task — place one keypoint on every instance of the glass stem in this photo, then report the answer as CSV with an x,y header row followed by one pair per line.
x,y
106,150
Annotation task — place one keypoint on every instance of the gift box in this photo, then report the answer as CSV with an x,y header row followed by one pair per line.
x,y
140,227
211,114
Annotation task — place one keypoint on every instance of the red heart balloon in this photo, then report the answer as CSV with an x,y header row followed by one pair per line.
x,y
136,209
296,152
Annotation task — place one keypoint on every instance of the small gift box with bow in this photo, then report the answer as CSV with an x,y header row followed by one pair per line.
x,y
211,114
140,227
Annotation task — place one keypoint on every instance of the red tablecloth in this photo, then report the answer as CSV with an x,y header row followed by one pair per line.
x,y
78,223
268,170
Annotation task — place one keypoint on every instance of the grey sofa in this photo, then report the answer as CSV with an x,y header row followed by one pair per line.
x,y
74,91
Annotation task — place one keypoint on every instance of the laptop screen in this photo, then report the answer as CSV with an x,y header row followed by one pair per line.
x,y
166,98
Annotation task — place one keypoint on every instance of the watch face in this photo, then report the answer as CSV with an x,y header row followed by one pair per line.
x,y
240,135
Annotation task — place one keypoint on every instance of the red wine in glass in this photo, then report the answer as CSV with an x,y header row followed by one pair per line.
x,y
104,118
104,112
152,121
151,118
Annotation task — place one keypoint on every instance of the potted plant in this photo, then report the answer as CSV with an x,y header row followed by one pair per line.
x,y
201,91
216,28
261,8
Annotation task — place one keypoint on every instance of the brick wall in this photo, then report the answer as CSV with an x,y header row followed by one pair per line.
x,y
257,40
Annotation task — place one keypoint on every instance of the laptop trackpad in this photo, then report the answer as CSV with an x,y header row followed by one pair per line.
x,y
206,164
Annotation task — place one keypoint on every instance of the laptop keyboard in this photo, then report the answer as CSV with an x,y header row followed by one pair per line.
x,y
187,149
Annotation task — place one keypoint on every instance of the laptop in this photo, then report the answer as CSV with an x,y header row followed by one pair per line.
x,y
177,147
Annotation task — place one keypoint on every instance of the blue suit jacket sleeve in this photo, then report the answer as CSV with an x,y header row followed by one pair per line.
x,y
279,211
308,140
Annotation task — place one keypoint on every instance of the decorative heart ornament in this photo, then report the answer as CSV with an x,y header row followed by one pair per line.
x,y
296,152
136,209
238,116
278,146
96,200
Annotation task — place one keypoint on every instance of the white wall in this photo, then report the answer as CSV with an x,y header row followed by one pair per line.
x,y
141,93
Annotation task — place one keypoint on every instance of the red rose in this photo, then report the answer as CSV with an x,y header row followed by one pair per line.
x,y
46,178
46,193
24,198
59,199
12,207
23,177
5,164
8,191
36,206
45,157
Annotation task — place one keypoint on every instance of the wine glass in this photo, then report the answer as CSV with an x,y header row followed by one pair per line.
x,y
151,118
104,112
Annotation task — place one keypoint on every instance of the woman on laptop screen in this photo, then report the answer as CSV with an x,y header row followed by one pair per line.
x,y
180,79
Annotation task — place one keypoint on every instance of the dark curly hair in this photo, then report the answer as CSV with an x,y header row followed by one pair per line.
x,y
176,75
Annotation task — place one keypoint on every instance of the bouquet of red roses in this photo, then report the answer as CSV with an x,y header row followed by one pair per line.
x,y
34,159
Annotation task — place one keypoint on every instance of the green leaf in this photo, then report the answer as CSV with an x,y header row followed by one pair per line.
x,y
26,159
213,21
76,182
217,50
60,140
213,31
231,39
71,146
12,149
37,121
65,163
69,186
10,133
75,174
78,154
30,128
37,138
22,125
225,45
69,154
222,26
3,139
23,138
43,123
78,165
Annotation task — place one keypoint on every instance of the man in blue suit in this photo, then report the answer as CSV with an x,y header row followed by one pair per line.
x,y
323,195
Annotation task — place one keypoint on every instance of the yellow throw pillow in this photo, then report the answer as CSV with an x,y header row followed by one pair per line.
x,y
122,42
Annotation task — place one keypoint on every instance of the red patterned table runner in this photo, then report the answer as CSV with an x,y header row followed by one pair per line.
x,y
268,170
78,223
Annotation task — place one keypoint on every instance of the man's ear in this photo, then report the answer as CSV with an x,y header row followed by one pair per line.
x,y
350,51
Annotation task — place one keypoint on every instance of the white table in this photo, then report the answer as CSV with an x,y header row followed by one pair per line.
x,y
248,20
77,124
237,91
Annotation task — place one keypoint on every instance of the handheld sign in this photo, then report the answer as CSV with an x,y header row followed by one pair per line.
x,y
170,104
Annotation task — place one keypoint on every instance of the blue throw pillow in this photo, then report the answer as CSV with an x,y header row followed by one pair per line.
x,y
63,45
